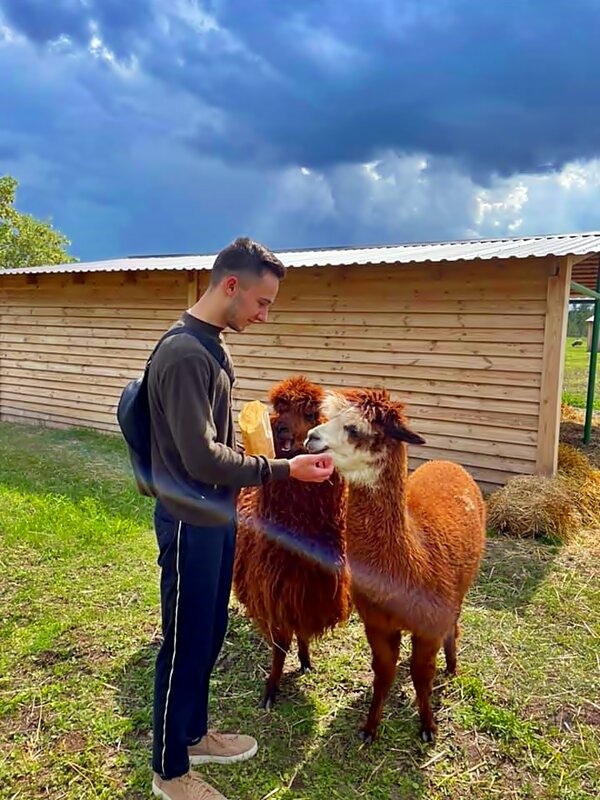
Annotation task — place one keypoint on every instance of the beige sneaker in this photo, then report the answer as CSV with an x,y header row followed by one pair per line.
x,y
188,787
222,748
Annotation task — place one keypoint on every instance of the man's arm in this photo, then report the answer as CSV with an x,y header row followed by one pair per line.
x,y
187,407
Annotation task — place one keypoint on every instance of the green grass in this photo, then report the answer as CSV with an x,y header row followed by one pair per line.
x,y
79,628
577,363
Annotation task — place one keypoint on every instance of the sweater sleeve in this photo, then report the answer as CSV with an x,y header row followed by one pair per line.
x,y
185,395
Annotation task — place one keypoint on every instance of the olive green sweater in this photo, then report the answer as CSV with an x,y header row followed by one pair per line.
x,y
196,465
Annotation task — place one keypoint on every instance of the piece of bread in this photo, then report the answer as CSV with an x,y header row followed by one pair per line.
x,y
255,426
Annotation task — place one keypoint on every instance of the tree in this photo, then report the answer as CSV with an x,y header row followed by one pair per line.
x,y
577,325
24,240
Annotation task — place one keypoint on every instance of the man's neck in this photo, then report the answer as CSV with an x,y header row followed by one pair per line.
x,y
204,309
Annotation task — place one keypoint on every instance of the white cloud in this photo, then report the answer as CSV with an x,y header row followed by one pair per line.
x,y
196,17
398,198
500,204
561,201
322,46
578,176
9,35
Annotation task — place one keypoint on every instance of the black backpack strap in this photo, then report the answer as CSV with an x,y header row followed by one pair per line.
x,y
209,342
215,349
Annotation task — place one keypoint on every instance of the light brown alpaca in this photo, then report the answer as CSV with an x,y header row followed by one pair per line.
x,y
414,543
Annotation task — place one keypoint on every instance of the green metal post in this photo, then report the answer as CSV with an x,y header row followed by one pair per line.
x,y
589,406
584,290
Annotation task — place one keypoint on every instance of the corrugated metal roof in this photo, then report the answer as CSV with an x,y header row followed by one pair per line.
x,y
518,247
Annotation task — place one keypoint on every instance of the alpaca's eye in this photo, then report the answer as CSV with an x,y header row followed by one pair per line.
x,y
311,416
351,430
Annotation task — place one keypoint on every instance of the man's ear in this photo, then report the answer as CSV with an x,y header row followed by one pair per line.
x,y
231,284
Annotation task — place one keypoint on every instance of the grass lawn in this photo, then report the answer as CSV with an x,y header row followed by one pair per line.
x,y
577,363
79,628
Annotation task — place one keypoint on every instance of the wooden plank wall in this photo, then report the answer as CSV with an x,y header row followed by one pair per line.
x,y
460,343
70,343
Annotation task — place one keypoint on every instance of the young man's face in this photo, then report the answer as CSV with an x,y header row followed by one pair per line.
x,y
249,299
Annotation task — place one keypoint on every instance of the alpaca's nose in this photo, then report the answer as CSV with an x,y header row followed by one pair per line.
x,y
311,443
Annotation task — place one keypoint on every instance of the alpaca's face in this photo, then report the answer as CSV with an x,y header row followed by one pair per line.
x,y
296,403
363,427
290,429
352,441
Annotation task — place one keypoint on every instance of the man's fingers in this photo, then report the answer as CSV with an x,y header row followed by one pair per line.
x,y
323,460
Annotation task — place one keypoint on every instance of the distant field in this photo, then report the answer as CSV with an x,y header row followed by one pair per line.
x,y
577,361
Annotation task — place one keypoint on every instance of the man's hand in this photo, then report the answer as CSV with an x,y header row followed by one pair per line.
x,y
312,468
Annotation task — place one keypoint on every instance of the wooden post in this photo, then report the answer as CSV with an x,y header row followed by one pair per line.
x,y
193,287
557,308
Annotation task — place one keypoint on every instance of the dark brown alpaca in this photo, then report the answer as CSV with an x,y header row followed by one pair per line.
x,y
414,543
290,571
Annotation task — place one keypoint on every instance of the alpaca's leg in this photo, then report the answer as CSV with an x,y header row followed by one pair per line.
x,y
385,647
450,649
281,645
422,670
304,655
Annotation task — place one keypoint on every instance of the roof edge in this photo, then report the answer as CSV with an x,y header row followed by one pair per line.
x,y
558,244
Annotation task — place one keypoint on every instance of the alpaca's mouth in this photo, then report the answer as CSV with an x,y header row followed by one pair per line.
x,y
315,447
288,447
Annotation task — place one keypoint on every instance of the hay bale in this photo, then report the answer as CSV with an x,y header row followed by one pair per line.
x,y
572,463
577,471
531,505
589,499
570,414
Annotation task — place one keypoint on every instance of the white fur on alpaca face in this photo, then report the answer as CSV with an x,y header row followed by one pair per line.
x,y
357,464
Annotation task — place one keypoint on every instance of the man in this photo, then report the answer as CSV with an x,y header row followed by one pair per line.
x,y
198,471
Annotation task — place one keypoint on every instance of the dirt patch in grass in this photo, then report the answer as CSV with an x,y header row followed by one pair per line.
x,y
72,742
568,715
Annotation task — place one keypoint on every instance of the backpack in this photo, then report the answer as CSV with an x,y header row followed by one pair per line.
x,y
133,411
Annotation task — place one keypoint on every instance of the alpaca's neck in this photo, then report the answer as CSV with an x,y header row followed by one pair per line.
x,y
390,564
314,511
378,531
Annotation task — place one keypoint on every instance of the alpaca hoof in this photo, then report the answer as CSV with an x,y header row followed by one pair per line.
x,y
305,669
366,736
428,735
267,701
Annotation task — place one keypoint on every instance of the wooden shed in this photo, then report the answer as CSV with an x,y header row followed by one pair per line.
x,y
589,324
469,334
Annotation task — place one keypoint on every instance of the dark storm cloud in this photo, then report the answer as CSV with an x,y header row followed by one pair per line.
x,y
501,87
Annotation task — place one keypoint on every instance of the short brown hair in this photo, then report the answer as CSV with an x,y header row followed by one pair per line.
x,y
245,256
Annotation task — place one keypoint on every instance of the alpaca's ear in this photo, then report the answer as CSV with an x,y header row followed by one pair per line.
x,y
402,434
332,403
